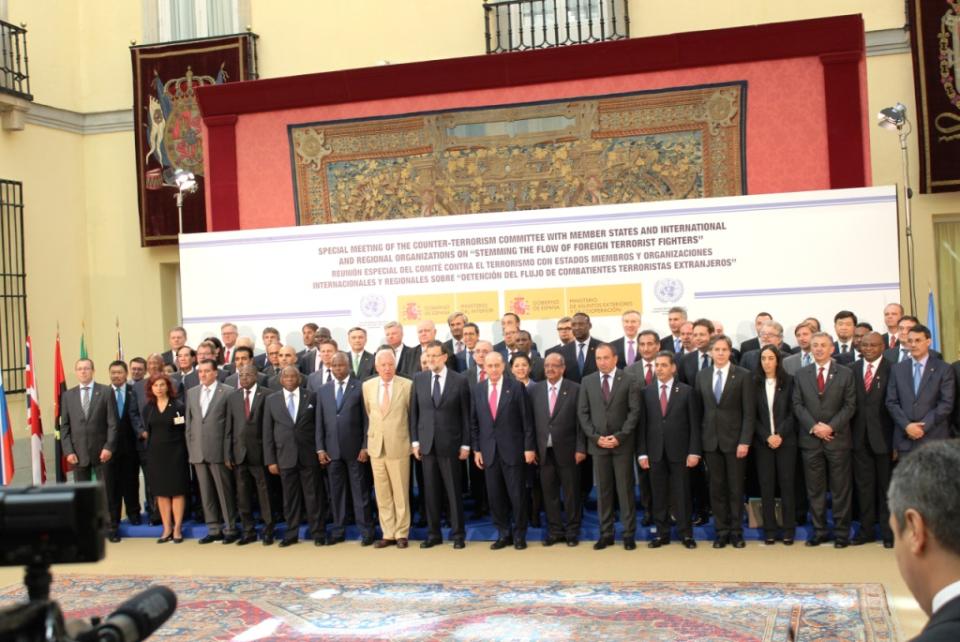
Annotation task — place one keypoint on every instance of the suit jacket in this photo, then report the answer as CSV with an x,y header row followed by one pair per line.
x,y
511,432
208,438
307,361
893,354
129,422
388,435
751,360
639,372
260,361
234,379
140,391
689,366
750,344
247,434
192,380
620,347
933,404
85,435
170,358
848,358
501,347
341,432
563,426
569,354
365,369
783,419
666,343
553,349
617,417
441,429
274,382
835,407
672,436
886,341
288,443
453,361
407,366
872,424
418,352
794,362
731,421
944,625
461,359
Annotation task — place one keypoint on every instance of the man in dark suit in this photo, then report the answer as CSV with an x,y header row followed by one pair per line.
x,y
466,360
176,338
694,362
126,463
360,360
524,346
668,445
289,450
271,366
341,436
407,365
561,448
756,342
455,344
504,443
902,350
242,356
924,504
844,323
88,430
564,334
269,336
872,440
643,372
287,356
440,434
626,346
824,402
510,327
920,395
245,424
578,355
309,333
725,395
892,313
676,317
205,352
229,335
771,333
853,354
321,372
607,407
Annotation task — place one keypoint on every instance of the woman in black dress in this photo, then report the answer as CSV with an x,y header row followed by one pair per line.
x,y
168,469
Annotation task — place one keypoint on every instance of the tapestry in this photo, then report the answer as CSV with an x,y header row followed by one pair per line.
x,y
168,125
645,146
247,609
935,41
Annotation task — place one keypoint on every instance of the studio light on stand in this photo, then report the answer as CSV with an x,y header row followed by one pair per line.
x,y
895,119
186,183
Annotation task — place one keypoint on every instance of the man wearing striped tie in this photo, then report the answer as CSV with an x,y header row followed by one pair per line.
x,y
802,357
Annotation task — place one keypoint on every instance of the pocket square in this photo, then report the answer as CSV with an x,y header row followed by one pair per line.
x,y
309,406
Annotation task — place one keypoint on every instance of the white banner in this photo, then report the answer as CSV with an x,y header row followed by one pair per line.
x,y
792,255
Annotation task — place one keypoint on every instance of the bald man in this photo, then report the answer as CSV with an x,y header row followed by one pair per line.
x,y
287,356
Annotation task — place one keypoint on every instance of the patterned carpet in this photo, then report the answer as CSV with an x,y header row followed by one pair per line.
x,y
212,608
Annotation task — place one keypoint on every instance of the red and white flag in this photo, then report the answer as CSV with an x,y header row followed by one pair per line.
x,y
38,465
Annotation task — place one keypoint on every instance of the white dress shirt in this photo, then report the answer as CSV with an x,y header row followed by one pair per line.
x,y
771,387
944,595
610,378
296,400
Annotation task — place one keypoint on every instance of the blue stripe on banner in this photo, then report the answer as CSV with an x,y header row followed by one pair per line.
x,y
812,289
573,217
279,315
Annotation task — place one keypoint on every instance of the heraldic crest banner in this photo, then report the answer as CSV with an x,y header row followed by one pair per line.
x,y
168,124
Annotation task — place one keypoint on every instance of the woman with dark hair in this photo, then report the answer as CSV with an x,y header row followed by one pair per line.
x,y
520,369
168,470
218,353
775,443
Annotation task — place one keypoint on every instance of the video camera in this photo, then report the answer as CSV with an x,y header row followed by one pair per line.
x,y
66,524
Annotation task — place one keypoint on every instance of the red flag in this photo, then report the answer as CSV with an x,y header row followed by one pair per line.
x,y
59,387
38,465
6,441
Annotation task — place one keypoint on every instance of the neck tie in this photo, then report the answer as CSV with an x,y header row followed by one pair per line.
x,y
649,377
581,358
356,363
553,398
806,358
459,347
340,395
436,390
85,399
605,388
469,358
483,375
246,403
843,347
631,353
385,402
329,375
718,386
893,341
120,396
677,345
917,375
226,357
205,402
663,400
821,384
291,408
492,400
868,378
706,362
903,354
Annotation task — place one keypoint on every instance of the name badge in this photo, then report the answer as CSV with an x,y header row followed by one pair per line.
x,y
179,421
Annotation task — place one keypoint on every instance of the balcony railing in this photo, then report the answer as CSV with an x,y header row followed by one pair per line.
x,y
520,25
14,69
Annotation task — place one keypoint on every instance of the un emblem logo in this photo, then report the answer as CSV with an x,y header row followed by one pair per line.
x,y
668,290
373,305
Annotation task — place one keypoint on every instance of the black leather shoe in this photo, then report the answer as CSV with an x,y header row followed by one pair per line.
x,y
550,540
247,539
458,543
336,540
737,541
287,542
841,543
602,543
572,541
769,541
689,542
207,539
629,544
787,541
862,539
114,537
231,539
816,540
267,540
502,542
888,542
520,544
654,543
431,542
366,540
721,541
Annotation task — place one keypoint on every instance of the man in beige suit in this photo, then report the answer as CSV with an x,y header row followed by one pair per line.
x,y
386,399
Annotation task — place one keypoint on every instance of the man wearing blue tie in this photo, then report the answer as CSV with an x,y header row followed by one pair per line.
x,y
901,352
920,394
578,355
694,362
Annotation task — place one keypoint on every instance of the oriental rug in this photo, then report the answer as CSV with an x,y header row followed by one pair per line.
x,y
667,144
216,608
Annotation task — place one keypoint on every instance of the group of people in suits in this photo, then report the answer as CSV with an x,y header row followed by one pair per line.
x,y
316,434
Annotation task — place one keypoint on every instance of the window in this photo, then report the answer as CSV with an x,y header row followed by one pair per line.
x,y
946,234
518,25
191,19
13,287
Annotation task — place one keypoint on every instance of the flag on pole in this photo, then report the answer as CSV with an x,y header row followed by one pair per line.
x,y
37,463
59,387
119,356
83,343
932,322
6,441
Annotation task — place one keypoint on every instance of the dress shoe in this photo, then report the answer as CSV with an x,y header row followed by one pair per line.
x,y
520,544
246,539
458,543
367,540
721,541
431,542
383,543
602,543
888,542
207,539
231,539
629,543
769,541
737,541
572,541
287,542
267,540
402,542
841,542
689,542
501,542
164,540
114,537
862,539
336,540
654,543
816,540
320,541
550,540
787,541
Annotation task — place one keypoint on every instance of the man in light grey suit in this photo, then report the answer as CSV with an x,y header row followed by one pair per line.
x,y
803,333
88,430
210,450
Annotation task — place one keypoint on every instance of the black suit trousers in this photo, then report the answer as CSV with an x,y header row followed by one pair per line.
x,y
506,489
871,473
126,484
302,494
348,479
726,477
553,479
777,467
149,502
819,465
670,486
107,473
443,476
252,478
614,473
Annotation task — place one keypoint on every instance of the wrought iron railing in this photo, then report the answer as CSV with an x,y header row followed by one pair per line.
x,y
14,67
13,286
520,25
